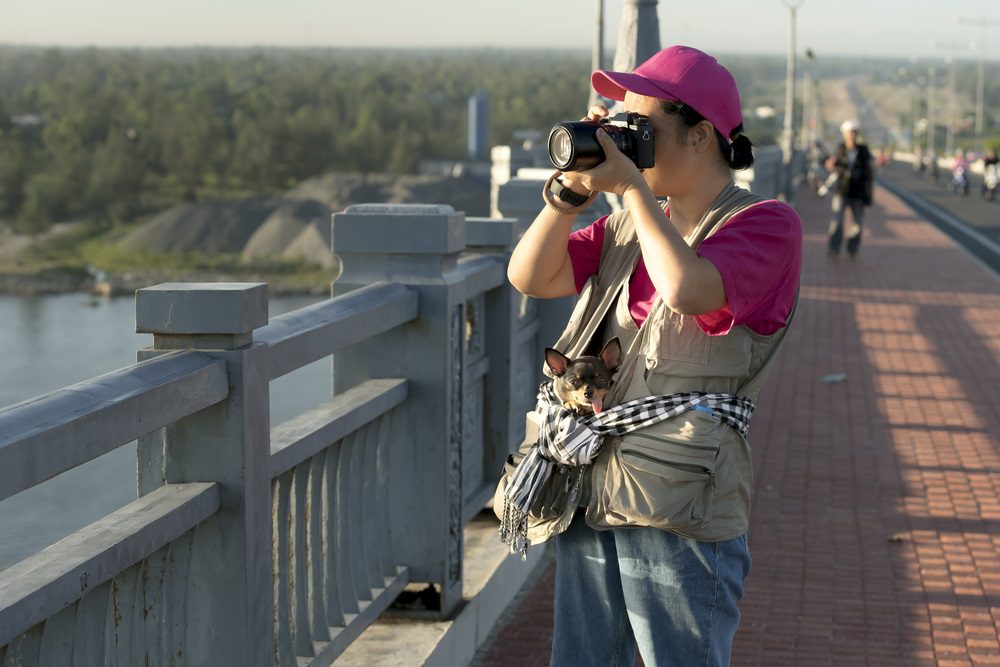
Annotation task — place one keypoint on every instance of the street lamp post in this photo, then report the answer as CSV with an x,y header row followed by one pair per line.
x,y
931,120
788,134
807,133
914,97
983,24
950,136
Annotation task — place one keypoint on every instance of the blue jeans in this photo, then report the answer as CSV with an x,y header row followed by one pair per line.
x,y
839,205
673,597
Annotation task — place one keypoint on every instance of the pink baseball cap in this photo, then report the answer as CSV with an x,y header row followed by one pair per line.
x,y
682,74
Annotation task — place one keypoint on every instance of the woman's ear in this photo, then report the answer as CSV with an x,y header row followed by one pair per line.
x,y
702,136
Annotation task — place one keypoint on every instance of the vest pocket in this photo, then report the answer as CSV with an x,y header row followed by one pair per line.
x,y
681,340
664,475
684,350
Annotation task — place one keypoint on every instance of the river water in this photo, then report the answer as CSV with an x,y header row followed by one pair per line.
x,y
49,342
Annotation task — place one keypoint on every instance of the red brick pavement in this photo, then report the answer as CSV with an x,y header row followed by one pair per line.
x,y
876,524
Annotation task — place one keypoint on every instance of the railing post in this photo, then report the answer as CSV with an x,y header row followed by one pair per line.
x,y
417,246
511,345
227,592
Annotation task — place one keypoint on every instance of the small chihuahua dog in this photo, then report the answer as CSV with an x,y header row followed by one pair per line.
x,y
583,383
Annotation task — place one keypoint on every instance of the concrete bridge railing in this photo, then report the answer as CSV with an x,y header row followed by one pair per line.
x,y
253,544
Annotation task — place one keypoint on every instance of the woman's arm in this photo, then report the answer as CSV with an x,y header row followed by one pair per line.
x,y
540,265
687,283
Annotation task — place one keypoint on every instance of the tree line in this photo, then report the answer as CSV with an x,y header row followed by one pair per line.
x,y
108,134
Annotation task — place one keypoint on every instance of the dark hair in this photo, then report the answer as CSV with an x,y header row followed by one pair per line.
x,y
738,155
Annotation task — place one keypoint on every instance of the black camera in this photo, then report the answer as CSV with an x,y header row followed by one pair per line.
x,y
574,146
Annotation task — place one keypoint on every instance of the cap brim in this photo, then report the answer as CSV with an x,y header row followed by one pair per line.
x,y
614,85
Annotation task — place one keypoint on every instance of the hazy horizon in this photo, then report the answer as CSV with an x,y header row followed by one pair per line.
x,y
891,28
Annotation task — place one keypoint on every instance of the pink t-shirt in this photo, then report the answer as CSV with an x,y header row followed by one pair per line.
x,y
758,253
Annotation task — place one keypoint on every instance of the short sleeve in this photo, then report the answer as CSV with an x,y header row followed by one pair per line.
x,y
758,253
584,247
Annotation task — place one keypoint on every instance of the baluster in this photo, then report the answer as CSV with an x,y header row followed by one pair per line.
x,y
385,429
356,521
317,515
175,593
331,560
57,638
88,633
283,577
299,523
24,651
344,513
123,601
153,587
370,505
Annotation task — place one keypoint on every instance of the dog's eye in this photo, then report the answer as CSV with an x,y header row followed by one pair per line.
x,y
575,383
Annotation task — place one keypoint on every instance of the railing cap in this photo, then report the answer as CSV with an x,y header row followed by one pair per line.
x,y
201,308
492,232
435,229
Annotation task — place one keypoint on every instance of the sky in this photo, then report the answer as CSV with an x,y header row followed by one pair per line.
x,y
903,28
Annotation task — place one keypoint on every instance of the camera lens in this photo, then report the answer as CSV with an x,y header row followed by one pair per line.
x,y
561,148
573,146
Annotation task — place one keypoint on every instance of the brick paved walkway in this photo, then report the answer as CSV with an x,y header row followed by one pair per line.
x,y
876,524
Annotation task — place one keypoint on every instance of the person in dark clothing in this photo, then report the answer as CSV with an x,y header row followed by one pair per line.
x,y
853,163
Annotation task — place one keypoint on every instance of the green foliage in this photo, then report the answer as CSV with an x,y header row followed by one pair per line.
x,y
122,132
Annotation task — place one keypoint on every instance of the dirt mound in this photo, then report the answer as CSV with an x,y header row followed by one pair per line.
x,y
340,190
219,226
270,226
312,245
285,224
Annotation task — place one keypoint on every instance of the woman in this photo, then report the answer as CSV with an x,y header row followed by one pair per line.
x,y
653,552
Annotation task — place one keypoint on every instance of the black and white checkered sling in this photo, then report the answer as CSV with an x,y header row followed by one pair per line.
x,y
565,439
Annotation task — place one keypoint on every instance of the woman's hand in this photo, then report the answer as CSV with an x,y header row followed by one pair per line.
x,y
617,174
571,178
596,112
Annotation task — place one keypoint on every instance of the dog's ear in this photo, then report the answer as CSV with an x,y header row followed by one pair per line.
x,y
556,361
611,355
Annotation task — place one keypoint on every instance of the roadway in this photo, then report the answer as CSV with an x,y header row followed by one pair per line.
x,y
972,221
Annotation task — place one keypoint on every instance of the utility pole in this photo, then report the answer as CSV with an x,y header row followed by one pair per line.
x,y
983,24
788,135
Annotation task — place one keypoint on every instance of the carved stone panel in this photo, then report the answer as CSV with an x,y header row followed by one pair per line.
x,y
454,455
475,329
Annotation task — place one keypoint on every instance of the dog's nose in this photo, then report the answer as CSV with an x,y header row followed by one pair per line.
x,y
588,393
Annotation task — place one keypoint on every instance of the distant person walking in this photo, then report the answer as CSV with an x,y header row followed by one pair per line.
x,y
991,176
856,176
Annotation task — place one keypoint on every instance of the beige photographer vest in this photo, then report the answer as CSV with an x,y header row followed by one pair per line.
x,y
690,474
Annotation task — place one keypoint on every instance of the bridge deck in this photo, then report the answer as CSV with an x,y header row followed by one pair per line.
x,y
876,523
